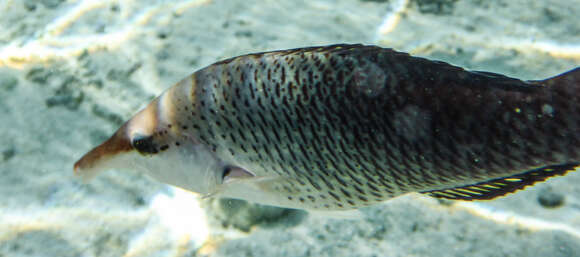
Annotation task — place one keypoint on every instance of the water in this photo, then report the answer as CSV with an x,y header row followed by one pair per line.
x,y
72,71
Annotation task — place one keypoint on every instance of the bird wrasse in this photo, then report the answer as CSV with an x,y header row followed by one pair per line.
x,y
344,126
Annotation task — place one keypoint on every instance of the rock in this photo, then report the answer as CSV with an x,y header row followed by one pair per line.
x,y
51,4
7,81
550,199
67,96
8,154
107,115
31,5
438,7
244,216
39,75
38,243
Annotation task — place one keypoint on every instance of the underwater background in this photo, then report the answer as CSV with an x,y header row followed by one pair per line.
x,y
72,71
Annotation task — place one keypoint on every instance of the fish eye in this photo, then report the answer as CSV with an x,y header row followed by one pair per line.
x,y
144,144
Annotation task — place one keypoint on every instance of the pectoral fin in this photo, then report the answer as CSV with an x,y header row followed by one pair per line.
x,y
274,190
240,183
498,187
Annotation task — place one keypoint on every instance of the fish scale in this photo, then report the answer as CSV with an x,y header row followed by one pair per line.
x,y
252,87
345,126
284,94
323,91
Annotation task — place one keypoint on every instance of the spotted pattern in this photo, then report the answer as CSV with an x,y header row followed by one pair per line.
x,y
352,125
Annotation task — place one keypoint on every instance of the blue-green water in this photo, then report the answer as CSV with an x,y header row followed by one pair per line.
x,y
72,71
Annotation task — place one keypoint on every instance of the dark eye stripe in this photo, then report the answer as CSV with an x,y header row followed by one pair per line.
x,y
144,144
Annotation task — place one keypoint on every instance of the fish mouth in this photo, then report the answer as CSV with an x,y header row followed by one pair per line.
x,y
100,158
90,164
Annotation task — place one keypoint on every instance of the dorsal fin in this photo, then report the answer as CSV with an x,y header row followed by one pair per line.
x,y
503,82
498,187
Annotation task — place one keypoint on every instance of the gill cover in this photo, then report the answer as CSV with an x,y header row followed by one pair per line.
x,y
149,143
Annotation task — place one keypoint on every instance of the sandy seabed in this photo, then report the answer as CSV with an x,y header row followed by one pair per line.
x,y
72,71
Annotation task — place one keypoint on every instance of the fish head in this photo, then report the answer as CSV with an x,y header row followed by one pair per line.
x,y
151,143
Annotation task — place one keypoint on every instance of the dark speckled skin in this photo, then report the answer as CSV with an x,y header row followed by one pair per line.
x,y
350,125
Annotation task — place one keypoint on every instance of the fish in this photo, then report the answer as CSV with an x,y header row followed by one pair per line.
x,y
341,127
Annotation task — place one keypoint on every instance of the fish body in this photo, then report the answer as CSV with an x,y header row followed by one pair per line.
x,y
344,126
